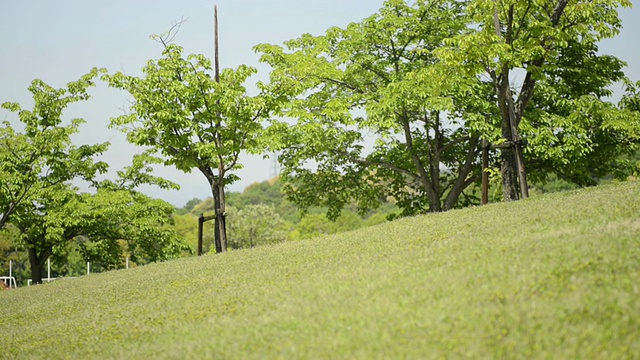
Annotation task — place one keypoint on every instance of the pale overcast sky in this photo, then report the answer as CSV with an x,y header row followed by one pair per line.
x,y
58,41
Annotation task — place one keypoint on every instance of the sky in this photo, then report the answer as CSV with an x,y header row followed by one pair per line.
x,y
58,41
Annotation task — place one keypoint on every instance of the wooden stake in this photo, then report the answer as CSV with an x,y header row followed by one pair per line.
x,y
216,60
201,220
200,226
220,238
485,174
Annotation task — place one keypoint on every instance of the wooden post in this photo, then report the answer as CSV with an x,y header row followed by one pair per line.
x,y
219,206
201,220
485,174
200,225
216,60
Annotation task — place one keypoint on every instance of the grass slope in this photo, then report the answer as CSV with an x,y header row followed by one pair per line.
x,y
550,277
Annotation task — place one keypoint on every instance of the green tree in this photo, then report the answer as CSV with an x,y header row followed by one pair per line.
x,y
48,213
534,37
103,225
378,77
631,98
43,157
573,133
631,102
11,250
195,120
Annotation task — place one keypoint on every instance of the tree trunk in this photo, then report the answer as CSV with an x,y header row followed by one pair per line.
x,y
220,226
4,218
509,170
521,173
218,186
434,163
37,264
222,216
216,226
509,162
512,166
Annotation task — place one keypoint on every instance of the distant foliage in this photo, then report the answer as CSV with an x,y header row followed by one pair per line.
x,y
255,225
261,214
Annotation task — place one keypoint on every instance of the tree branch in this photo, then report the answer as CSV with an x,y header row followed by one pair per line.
x,y
168,36
459,184
345,84
389,166
558,11
452,143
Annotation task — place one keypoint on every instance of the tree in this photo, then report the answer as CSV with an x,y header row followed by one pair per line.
x,y
105,224
378,77
195,121
43,156
48,213
572,131
631,102
530,36
97,223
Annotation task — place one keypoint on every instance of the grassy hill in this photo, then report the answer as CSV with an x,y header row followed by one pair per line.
x,y
555,276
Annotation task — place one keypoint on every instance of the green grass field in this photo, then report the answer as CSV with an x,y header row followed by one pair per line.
x,y
554,276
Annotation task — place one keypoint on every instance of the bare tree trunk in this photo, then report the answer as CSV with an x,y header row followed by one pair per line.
x,y
521,173
4,218
216,57
434,163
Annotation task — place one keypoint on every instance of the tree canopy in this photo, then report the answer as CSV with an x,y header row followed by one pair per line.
x,y
43,156
402,103
378,77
